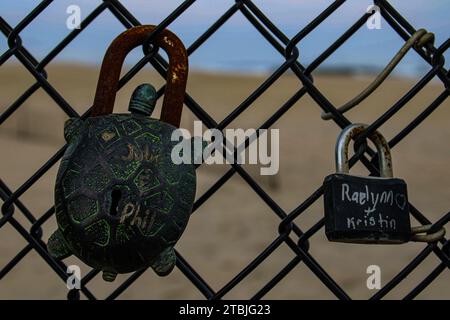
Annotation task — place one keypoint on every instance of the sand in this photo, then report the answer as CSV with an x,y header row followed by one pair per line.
x,y
235,224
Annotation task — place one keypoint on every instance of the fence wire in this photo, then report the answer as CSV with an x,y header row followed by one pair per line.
x,y
289,232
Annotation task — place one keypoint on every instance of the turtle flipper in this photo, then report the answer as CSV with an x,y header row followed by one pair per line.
x,y
165,263
57,247
72,128
109,276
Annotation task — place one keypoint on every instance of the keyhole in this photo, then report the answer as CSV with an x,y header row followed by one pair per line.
x,y
116,194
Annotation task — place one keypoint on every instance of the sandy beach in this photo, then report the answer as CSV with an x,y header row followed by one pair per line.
x,y
235,224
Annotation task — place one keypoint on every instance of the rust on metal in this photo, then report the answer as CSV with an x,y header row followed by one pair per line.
x,y
352,132
107,85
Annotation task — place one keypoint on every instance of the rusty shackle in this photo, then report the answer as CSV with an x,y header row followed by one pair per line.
x,y
176,79
352,131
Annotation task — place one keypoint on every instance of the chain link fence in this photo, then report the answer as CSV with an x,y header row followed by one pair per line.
x,y
289,232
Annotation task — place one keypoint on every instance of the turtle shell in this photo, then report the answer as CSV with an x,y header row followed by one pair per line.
x,y
120,199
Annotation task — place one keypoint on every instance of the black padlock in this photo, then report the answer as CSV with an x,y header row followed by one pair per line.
x,y
365,209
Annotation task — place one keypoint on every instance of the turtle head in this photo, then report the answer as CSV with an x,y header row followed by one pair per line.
x,y
143,100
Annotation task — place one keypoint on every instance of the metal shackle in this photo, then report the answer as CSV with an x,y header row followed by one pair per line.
x,y
352,131
176,79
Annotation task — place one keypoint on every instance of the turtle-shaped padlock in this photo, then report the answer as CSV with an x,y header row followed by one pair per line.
x,y
121,202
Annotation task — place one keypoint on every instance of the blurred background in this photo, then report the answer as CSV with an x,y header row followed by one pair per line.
x,y
235,224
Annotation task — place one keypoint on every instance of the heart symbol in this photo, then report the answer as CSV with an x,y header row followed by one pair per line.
x,y
400,200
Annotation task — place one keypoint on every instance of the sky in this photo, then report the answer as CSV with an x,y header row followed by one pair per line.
x,y
237,46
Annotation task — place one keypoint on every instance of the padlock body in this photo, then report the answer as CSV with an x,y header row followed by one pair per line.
x,y
366,209
120,199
